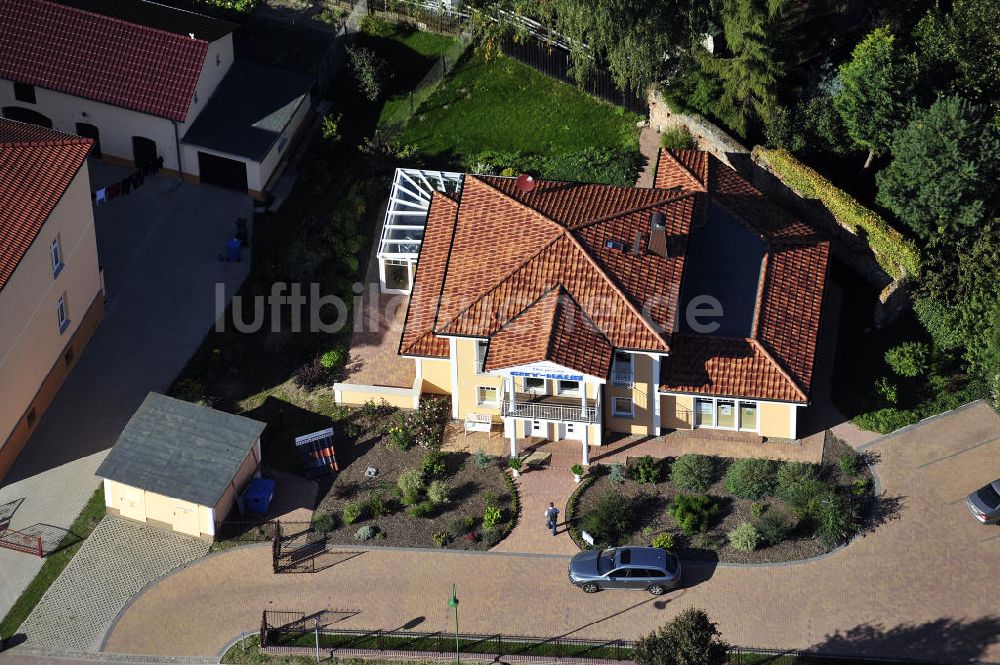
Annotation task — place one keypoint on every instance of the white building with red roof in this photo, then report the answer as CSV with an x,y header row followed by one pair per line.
x,y
571,310
51,295
148,82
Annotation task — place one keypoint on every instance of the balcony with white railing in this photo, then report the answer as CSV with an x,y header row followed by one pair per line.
x,y
623,378
551,407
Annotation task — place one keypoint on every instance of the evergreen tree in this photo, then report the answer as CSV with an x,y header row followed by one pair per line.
x,y
876,85
749,75
943,173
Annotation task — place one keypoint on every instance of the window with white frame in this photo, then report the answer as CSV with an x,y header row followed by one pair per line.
x,y
487,396
55,254
623,370
481,346
726,413
63,314
569,387
623,407
534,385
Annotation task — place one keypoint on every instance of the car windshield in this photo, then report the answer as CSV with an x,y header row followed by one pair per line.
x,y
605,561
989,496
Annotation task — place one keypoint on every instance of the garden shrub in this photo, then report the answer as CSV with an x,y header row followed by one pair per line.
x,y
610,519
792,473
677,137
774,526
694,473
367,532
333,358
440,538
491,536
757,509
428,421
312,375
410,484
376,505
849,463
399,437
469,521
909,359
323,522
330,129
663,540
744,537
438,492
886,390
577,470
370,71
836,520
751,478
690,638
491,517
860,486
189,390
886,420
351,512
693,513
612,166
896,254
805,495
457,528
616,473
421,508
647,470
482,460
433,464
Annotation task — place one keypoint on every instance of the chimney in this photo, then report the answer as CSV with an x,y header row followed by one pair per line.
x,y
658,234
637,243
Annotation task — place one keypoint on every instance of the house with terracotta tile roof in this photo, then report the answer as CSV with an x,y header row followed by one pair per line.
x,y
145,82
571,311
51,291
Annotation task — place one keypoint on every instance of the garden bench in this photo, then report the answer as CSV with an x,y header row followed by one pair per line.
x,y
479,422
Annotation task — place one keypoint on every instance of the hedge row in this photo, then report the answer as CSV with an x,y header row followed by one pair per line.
x,y
897,255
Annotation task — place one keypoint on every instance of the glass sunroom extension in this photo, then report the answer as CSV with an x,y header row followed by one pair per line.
x,y
405,219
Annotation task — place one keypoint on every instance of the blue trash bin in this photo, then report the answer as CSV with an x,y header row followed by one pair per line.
x,y
233,249
257,498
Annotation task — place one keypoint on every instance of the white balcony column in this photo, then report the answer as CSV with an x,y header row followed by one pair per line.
x,y
654,391
508,382
586,444
583,399
513,438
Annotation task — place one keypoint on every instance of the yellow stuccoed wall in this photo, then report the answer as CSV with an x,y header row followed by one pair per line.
x,y
642,394
468,380
775,419
436,376
676,411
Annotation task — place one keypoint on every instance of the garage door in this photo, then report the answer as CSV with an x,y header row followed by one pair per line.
x,y
223,172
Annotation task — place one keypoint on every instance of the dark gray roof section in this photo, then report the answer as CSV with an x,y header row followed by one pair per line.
x,y
180,450
160,17
248,111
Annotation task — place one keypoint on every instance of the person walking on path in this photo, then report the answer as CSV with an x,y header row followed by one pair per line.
x,y
551,517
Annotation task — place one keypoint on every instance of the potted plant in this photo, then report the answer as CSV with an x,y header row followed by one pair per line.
x,y
577,470
515,466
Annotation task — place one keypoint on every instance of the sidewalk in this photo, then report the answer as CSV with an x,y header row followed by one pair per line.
x,y
537,488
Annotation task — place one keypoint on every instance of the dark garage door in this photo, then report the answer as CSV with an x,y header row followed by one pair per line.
x,y
223,172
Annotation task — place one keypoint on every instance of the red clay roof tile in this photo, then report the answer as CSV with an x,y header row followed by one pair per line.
x,y
37,165
99,57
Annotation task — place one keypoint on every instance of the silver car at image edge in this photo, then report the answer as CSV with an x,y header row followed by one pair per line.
x,y
651,568
984,503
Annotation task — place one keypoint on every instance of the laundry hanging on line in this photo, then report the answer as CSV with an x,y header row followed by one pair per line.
x,y
125,186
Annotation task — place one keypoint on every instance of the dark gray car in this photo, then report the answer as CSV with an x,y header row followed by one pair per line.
x,y
984,503
649,568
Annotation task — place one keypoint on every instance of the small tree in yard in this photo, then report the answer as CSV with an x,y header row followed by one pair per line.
x,y
942,178
909,359
369,69
876,87
689,639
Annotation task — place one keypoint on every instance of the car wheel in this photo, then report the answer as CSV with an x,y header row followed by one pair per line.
x,y
656,590
590,587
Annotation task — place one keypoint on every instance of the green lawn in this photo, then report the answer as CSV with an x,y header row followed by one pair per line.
x,y
504,105
55,563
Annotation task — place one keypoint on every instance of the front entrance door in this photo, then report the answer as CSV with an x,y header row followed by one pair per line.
x,y
143,150
89,131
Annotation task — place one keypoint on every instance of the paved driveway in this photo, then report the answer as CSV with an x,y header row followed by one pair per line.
x,y
159,247
923,585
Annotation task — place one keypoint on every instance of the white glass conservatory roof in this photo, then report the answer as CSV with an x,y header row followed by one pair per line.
x,y
406,215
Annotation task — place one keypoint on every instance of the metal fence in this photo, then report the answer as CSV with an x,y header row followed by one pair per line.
x,y
332,60
19,541
289,632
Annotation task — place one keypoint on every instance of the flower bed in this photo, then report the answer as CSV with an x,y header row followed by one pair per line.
x,y
420,496
746,511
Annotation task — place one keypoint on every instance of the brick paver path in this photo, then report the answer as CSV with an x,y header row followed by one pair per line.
x,y
537,488
115,563
919,586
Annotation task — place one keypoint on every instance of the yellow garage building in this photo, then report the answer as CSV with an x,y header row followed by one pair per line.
x,y
180,466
